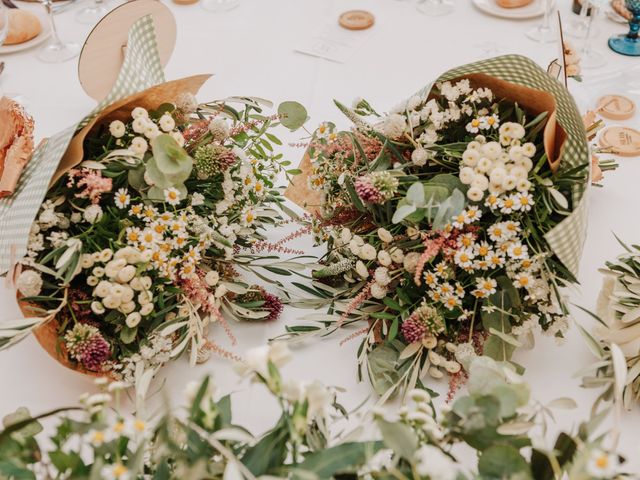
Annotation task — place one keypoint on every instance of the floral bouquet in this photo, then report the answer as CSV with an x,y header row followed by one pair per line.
x,y
147,224
495,419
616,338
451,222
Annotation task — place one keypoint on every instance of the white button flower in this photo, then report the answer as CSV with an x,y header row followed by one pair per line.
x,y
117,129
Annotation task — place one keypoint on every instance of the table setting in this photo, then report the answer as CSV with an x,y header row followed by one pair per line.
x,y
342,239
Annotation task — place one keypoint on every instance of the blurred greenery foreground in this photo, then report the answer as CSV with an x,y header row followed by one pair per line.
x,y
494,427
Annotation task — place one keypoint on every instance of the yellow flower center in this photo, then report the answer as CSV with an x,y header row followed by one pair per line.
x,y
497,232
523,281
118,427
508,203
475,122
139,425
524,200
602,462
517,251
119,471
483,250
133,236
98,437
173,195
466,241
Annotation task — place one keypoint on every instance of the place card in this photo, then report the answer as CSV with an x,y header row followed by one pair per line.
x,y
333,42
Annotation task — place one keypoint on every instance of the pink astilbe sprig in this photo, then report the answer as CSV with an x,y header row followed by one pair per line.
x,y
250,125
279,245
354,335
432,248
362,297
214,347
196,130
197,290
225,325
91,183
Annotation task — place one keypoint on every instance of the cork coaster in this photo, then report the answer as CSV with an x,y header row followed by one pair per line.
x,y
623,141
616,107
356,20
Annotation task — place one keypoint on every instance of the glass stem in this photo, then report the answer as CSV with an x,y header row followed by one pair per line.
x,y
634,24
545,20
583,14
587,38
54,33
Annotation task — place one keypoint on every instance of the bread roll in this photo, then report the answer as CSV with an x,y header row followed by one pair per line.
x,y
23,26
513,3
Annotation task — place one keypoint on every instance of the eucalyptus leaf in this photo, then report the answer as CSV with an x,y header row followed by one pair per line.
x,y
292,115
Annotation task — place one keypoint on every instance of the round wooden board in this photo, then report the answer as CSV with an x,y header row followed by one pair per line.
x,y
103,51
624,141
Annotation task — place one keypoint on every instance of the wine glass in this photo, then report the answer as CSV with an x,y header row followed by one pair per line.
x,y
545,32
629,44
435,8
4,22
92,13
589,58
220,5
578,28
56,51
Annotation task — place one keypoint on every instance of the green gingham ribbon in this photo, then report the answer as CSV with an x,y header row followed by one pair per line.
x,y
141,69
566,240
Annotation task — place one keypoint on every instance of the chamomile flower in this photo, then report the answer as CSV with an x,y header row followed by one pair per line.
x,y
188,270
472,214
248,217
192,255
517,251
450,302
602,464
459,220
492,201
136,210
148,238
523,280
122,198
497,233
524,201
482,249
116,471
489,122
430,279
445,289
179,241
507,204
464,258
442,270
97,437
487,285
466,240
149,213
473,126
258,188
133,235
512,228
172,196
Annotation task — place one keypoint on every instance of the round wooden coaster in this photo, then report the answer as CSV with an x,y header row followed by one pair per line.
x,y
356,20
616,107
624,141
103,51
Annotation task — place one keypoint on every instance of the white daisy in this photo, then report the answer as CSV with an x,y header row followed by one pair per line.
x,y
172,196
122,198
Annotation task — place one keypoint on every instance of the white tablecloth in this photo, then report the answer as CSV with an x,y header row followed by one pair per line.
x,y
250,49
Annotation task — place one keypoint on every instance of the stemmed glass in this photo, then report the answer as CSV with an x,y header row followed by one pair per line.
x,y
589,58
56,51
91,14
220,5
629,44
4,22
435,8
578,28
544,33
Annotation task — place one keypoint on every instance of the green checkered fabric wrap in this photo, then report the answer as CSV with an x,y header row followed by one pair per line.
x,y
141,69
567,238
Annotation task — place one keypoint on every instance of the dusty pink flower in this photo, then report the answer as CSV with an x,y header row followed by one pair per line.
x,y
92,181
